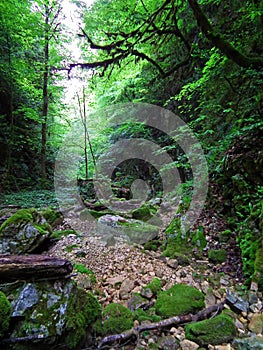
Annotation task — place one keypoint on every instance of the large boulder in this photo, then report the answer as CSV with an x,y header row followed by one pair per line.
x,y
48,313
23,232
130,230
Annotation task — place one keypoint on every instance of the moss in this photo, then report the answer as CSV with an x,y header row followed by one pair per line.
x,y
146,315
83,310
22,215
155,286
198,239
62,233
53,217
27,216
70,247
5,314
217,256
116,318
218,330
145,212
152,245
83,269
180,299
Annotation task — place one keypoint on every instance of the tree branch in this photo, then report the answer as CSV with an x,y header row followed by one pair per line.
x,y
218,41
182,319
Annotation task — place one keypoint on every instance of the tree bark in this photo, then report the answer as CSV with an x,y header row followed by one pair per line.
x,y
17,267
45,101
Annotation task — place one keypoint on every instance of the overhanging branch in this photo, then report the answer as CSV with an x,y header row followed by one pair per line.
x,y
218,41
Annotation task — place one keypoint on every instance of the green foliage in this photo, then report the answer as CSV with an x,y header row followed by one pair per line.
x,y
30,199
5,314
218,330
179,299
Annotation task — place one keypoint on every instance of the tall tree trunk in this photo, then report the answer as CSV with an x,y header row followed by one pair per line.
x,y
45,103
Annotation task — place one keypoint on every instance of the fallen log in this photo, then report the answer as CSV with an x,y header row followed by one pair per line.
x,y
20,267
173,321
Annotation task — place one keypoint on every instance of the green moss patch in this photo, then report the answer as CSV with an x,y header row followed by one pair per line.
x,y
179,242
144,213
155,286
83,310
80,268
146,315
217,256
22,215
5,314
178,300
218,330
116,318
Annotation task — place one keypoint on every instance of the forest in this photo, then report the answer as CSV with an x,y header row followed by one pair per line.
x,y
138,121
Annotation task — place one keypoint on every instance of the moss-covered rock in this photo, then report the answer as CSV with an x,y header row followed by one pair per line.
x,y
217,256
83,310
116,318
53,217
144,213
184,243
218,330
5,314
179,299
23,232
134,231
57,311
155,286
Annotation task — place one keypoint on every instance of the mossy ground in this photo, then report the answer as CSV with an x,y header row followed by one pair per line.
x,y
179,299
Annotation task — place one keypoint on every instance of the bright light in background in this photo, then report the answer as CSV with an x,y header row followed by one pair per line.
x,y
73,22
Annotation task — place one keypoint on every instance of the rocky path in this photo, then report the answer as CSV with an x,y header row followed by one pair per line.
x,y
123,269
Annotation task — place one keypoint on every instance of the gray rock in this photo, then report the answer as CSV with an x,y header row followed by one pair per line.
x,y
47,313
168,343
146,293
23,232
251,343
136,301
237,303
26,299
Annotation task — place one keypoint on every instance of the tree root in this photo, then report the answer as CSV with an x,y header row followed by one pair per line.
x,y
182,319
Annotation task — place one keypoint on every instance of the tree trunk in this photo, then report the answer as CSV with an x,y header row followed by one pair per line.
x,y
19,267
45,102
